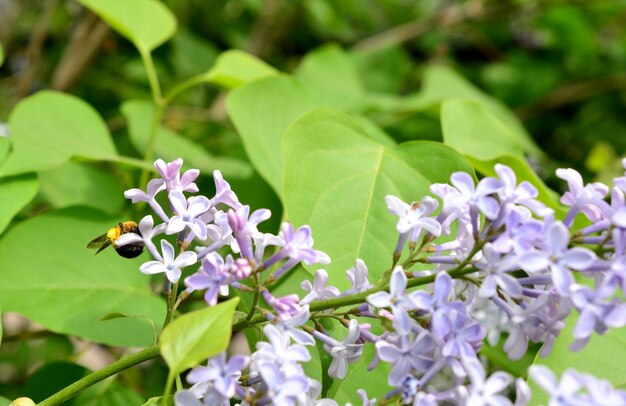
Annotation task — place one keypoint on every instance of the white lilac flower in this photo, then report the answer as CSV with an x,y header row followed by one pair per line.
x,y
171,265
344,351
186,214
222,375
397,299
153,188
318,289
413,218
486,391
290,325
280,351
357,276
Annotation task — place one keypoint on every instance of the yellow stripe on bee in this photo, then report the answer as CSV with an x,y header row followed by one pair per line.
x,y
114,233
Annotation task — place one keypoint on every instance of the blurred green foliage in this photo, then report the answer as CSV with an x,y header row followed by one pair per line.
x,y
559,65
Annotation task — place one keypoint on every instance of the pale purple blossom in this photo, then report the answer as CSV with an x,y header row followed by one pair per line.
x,y
318,289
397,299
186,214
344,351
221,374
152,189
213,276
357,275
558,258
170,173
295,247
407,356
171,265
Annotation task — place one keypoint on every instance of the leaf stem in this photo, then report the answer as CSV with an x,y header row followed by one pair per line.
x,y
181,87
72,390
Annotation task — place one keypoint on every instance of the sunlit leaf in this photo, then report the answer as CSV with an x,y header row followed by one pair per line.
x,y
336,180
15,193
234,68
196,336
49,128
146,23
81,184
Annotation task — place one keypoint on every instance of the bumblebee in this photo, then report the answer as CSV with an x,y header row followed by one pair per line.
x,y
127,251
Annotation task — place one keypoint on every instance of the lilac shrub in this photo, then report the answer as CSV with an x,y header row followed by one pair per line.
x,y
493,261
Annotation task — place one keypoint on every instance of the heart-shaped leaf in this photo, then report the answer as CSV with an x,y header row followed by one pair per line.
x,y
196,336
146,23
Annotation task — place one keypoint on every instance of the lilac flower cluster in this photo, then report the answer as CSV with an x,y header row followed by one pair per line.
x,y
498,262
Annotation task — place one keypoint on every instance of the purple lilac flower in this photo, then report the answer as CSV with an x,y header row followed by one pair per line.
x,y
511,193
170,265
296,246
285,307
596,314
213,276
397,299
586,198
459,335
497,268
558,258
223,192
406,356
170,172
478,197
318,289
244,226
186,213
342,351
438,303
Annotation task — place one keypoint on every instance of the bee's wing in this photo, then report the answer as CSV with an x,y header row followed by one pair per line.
x,y
100,242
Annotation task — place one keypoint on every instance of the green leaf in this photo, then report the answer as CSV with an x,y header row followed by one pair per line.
x,y
170,145
146,23
15,193
82,184
330,74
49,128
374,382
65,288
441,83
158,401
118,315
4,401
1,54
1,327
234,68
196,336
336,180
436,161
471,128
262,111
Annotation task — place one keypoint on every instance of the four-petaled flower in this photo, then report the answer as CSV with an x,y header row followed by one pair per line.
x,y
170,265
